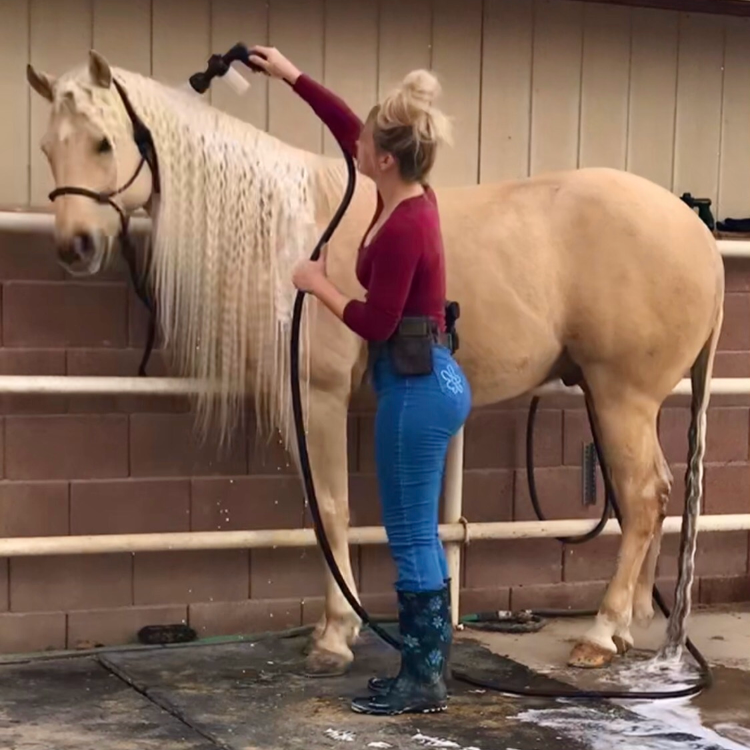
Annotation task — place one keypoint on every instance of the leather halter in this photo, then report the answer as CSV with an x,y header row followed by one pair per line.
x,y
145,143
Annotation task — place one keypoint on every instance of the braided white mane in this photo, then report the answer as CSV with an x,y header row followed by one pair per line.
x,y
236,212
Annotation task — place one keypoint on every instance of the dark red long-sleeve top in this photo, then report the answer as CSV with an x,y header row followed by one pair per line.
x,y
403,266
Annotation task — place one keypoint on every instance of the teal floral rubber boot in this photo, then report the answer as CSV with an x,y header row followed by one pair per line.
x,y
382,684
425,624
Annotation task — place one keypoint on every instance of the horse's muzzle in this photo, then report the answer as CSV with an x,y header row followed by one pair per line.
x,y
77,252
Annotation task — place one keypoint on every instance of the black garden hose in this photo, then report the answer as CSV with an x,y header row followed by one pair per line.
x,y
299,422
304,461
589,535
240,52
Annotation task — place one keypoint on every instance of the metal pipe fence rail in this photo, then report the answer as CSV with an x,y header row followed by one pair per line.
x,y
453,533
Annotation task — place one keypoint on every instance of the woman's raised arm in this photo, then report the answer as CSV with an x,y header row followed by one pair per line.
x,y
332,110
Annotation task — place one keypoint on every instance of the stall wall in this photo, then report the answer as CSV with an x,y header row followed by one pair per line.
x,y
532,86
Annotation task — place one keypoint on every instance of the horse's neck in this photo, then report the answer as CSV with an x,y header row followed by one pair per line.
x,y
327,174
328,177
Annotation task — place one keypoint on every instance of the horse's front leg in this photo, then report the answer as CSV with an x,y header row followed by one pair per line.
x,y
330,649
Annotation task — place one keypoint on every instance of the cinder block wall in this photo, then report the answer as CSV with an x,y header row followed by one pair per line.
x,y
129,465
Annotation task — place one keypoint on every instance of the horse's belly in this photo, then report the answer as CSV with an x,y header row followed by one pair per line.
x,y
504,352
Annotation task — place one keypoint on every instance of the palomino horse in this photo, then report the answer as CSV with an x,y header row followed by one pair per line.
x,y
595,276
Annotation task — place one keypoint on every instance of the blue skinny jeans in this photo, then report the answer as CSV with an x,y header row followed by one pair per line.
x,y
415,420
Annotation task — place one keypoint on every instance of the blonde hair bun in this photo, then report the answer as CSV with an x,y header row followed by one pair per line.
x,y
411,105
422,87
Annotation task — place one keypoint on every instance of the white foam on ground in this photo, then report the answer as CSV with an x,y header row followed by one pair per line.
x,y
603,731
340,736
734,732
677,713
428,741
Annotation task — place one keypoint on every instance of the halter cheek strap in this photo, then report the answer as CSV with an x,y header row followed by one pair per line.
x,y
145,144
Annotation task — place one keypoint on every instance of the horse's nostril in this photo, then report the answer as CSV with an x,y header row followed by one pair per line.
x,y
77,249
67,255
83,245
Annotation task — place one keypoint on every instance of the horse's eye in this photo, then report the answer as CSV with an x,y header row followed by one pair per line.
x,y
104,146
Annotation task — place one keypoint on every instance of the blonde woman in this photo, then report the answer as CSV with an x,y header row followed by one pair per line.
x,y
423,396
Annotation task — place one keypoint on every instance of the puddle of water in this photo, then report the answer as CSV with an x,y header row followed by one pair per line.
x,y
726,706
729,698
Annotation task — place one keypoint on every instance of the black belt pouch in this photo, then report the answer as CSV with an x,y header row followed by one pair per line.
x,y
410,348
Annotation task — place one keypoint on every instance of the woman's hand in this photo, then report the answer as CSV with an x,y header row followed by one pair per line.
x,y
275,64
309,274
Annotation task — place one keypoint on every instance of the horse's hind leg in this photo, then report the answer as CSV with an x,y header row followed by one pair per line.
x,y
625,423
643,599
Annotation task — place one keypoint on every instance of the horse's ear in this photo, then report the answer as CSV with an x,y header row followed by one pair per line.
x,y
99,70
42,83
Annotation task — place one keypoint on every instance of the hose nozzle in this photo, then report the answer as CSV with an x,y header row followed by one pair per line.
x,y
220,66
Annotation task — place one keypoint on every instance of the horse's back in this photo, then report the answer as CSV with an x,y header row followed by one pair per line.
x,y
639,260
600,263
549,217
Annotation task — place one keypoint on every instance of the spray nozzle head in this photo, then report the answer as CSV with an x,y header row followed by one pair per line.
x,y
219,65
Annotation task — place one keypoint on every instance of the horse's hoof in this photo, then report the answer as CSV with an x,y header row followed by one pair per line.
x,y
323,663
311,642
623,644
587,655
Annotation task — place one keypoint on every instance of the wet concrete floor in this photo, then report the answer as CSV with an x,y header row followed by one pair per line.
x,y
248,696
721,713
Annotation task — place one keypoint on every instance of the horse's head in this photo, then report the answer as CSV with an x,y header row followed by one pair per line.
x,y
90,145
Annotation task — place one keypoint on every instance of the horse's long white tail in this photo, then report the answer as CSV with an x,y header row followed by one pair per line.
x,y
700,376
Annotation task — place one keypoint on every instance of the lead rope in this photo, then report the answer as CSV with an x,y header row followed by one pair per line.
x,y
139,281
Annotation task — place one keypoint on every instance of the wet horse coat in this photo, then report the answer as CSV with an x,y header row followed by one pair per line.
x,y
595,275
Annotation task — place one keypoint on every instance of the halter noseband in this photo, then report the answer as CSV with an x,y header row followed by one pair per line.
x,y
145,143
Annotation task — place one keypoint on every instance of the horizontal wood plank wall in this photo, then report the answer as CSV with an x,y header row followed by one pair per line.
x,y
122,33
531,85
505,118
653,87
605,86
15,97
556,85
232,21
699,94
351,58
298,28
181,39
734,185
457,60
60,35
